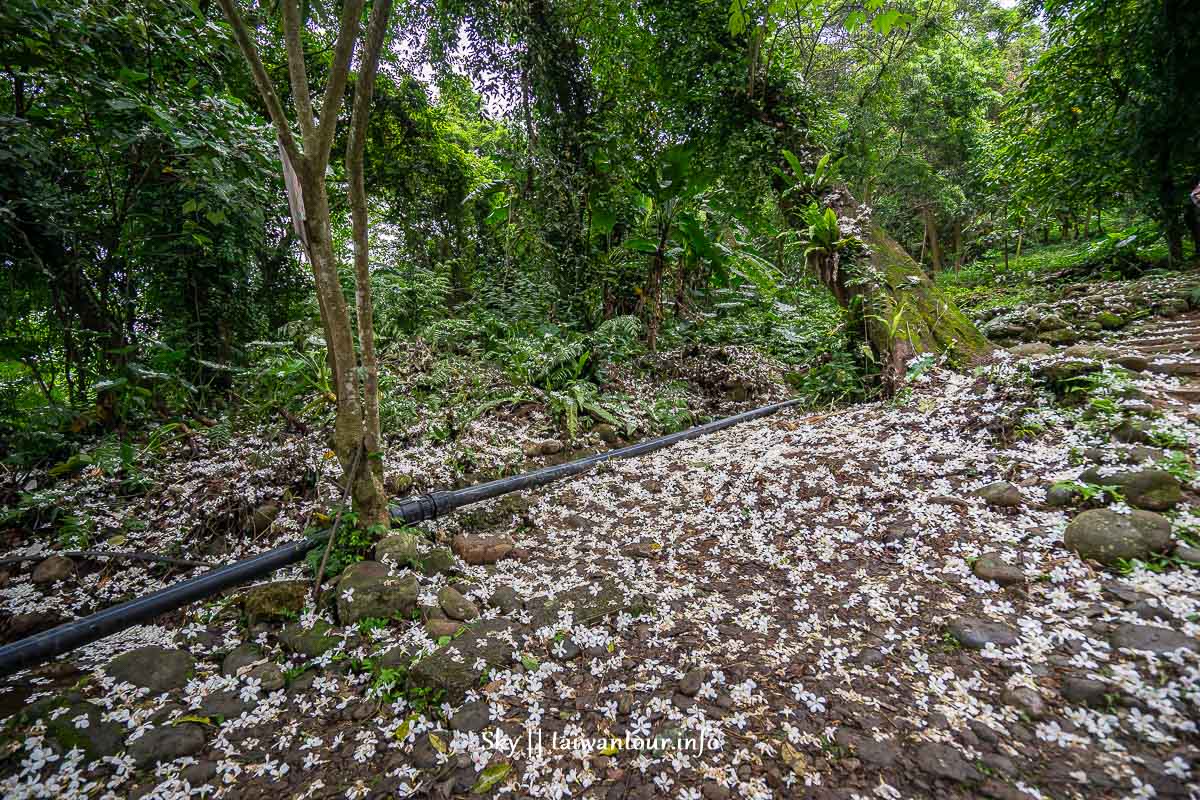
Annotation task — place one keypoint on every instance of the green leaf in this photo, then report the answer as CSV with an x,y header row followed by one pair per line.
x,y
603,220
529,662
793,162
854,21
737,17
883,23
640,245
490,777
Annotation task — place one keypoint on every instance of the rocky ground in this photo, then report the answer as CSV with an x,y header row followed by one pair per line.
x,y
985,587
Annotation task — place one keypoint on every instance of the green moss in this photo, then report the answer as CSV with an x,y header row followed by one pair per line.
x,y
908,306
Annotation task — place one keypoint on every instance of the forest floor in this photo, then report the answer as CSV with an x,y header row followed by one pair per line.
x,y
872,602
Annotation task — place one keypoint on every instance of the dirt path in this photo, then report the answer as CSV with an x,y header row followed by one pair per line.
x,y
804,606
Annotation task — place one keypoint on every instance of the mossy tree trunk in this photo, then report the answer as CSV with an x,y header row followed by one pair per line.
x,y
904,314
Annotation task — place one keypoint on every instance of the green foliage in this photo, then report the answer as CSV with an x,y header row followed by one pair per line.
x,y
140,210
353,544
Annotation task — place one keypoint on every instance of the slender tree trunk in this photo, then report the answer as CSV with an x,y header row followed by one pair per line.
x,y
935,246
958,244
356,424
372,492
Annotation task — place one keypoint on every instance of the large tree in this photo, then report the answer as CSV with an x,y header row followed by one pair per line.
x,y
357,438
1113,103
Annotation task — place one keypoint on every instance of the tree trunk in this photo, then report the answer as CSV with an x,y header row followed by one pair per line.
x,y
906,314
350,422
1192,218
956,232
935,246
356,424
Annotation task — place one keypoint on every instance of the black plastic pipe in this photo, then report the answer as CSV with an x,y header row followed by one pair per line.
x,y
70,635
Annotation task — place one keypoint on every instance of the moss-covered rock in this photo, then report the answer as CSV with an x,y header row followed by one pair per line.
x,y
446,674
159,669
278,601
367,591
309,642
1110,537
401,548
80,725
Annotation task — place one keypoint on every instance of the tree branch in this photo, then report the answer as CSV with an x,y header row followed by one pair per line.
x,y
263,81
292,27
339,72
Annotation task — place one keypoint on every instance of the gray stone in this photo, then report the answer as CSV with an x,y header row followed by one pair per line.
x,y
549,447
97,738
1059,371
401,548
943,761
506,599
1001,494
1140,454
1152,490
1003,329
1150,610
363,593
1085,691
156,668
1060,495
1133,363
262,517
398,656
875,753
1132,432
270,676
1148,489
643,548
472,717
52,570
1032,349
1051,322
226,704
455,605
1026,700
199,773
438,561
1108,537
241,656
1187,553
587,603
445,670
991,567
977,634
167,744
1150,637
690,683
607,433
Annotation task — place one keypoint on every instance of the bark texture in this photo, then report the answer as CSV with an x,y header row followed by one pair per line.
x,y
356,426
